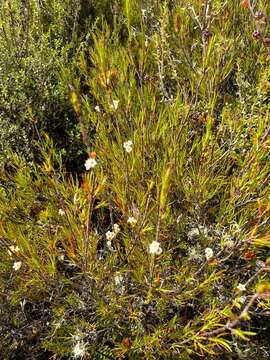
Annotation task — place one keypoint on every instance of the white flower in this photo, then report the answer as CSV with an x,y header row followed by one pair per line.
x,y
241,287
128,146
208,253
109,244
115,104
61,212
13,249
110,235
132,221
155,248
17,265
79,350
90,163
242,299
97,108
116,229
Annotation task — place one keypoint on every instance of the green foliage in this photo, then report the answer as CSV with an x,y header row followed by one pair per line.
x,y
159,249
37,39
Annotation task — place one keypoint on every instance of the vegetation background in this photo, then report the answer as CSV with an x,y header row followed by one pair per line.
x,y
134,179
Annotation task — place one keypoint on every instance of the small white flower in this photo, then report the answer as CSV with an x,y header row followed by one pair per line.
x,y
116,229
155,248
241,287
109,244
61,212
110,235
128,146
17,265
13,249
242,299
208,253
115,104
90,163
132,221
97,108
79,350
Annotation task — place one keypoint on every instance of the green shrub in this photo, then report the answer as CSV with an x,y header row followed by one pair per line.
x,y
160,248
37,39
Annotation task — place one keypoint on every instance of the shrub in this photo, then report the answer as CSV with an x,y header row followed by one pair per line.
x,y
37,39
159,249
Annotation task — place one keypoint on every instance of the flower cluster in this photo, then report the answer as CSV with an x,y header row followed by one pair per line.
x,y
128,146
110,235
155,248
